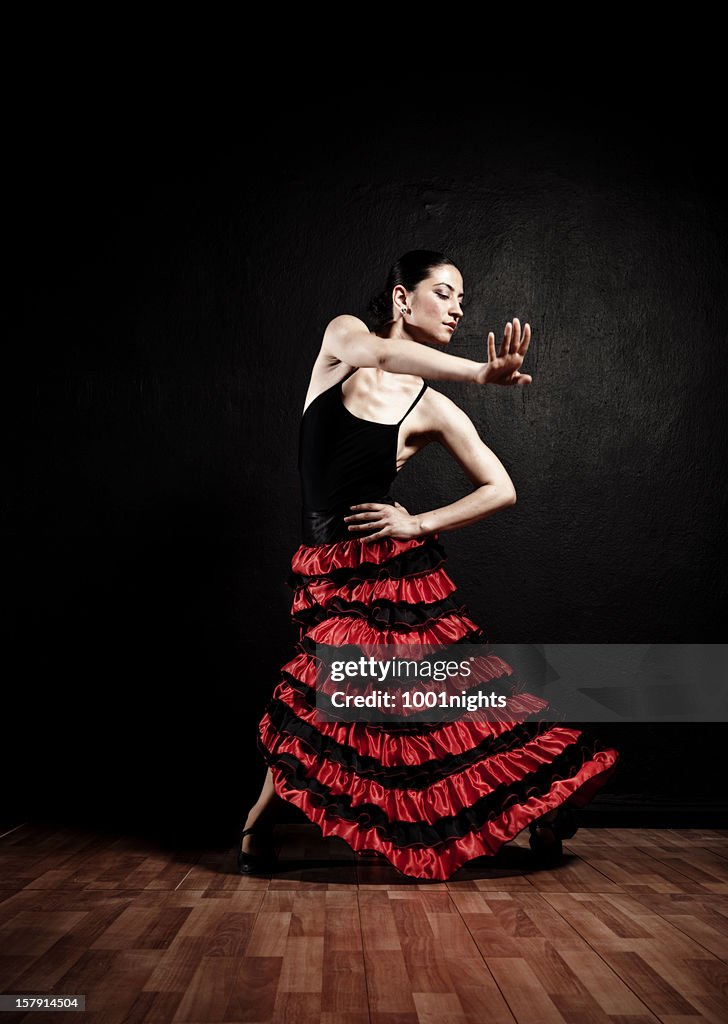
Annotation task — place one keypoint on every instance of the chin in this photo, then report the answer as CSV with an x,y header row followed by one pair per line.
x,y
436,338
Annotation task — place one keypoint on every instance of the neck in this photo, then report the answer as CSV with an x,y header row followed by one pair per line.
x,y
399,331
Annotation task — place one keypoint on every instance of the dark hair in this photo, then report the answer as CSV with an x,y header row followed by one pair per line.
x,y
408,271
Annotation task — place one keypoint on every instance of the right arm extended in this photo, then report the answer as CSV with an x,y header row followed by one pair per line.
x,y
348,340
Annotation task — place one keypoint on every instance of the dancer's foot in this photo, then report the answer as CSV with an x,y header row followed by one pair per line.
x,y
258,841
256,852
545,841
547,833
254,842
257,855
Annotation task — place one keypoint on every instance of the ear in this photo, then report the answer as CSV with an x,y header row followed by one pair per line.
x,y
399,296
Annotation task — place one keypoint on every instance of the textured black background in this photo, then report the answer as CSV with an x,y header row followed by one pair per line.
x,y
174,266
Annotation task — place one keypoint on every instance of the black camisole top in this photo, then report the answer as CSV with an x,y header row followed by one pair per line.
x,y
342,460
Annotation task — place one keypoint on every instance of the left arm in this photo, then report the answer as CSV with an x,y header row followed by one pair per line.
x,y
493,491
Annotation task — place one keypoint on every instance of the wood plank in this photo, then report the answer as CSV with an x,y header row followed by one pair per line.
x,y
607,988
633,927
526,996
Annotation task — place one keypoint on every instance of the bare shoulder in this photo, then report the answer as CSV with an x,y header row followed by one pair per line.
x,y
328,365
444,417
341,327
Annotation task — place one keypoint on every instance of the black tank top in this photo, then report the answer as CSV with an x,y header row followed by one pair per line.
x,y
342,460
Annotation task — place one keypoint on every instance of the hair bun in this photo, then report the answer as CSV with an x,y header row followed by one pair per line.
x,y
380,307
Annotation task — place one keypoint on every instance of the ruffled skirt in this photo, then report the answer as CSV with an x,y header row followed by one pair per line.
x,y
426,795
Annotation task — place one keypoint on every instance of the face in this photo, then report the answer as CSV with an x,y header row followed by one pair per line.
x,y
436,305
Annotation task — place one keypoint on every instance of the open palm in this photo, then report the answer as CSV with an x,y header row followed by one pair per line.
x,y
504,367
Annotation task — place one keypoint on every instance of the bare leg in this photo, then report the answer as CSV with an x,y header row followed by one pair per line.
x,y
262,811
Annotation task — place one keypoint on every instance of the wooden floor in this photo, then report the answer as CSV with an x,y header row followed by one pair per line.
x,y
633,927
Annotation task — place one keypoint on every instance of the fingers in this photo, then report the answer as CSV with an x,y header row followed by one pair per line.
x,y
526,339
365,521
374,536
375,507
516,335
368,526
505,349
513,342
511,337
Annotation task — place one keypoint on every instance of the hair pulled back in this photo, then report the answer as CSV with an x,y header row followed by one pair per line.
x,y
408,271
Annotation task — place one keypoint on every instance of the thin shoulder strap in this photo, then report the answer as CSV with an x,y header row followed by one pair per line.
x,y
422,391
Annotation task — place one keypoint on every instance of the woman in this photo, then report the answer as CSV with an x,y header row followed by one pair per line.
x,y
426,795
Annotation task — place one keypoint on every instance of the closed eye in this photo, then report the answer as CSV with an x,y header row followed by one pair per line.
x,y
462,306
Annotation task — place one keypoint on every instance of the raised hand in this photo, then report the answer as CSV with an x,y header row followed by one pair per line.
x,y
503,368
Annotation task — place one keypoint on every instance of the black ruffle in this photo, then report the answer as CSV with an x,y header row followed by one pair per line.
x,y
412,562
383,613
418,776
469,819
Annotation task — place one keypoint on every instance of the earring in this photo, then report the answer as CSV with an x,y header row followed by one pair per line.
x,y
404,309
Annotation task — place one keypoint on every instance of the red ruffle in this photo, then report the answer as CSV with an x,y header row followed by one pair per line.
x,y
320,559
438,863
418,579
345,629
444,797
429,587
392,749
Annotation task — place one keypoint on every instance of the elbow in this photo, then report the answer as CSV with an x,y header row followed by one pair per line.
x,y
498,495
509,495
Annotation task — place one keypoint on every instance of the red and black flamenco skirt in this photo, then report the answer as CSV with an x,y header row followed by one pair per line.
x,y
428,796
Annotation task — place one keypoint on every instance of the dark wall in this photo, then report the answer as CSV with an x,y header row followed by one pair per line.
x,y
172,280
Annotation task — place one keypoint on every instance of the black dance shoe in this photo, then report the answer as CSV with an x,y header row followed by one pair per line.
x,y
546,836
545,844
257,863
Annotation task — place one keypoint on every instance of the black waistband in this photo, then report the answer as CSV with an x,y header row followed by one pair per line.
x,y
324,526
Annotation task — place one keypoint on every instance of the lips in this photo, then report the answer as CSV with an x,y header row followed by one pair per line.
x,y
451,325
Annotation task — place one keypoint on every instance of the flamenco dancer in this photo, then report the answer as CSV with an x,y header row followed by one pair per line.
x,y
427,796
